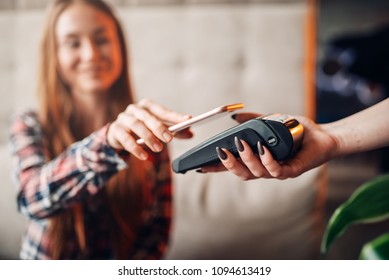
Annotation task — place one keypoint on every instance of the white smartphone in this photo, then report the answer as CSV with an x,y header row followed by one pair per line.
x,y
219,111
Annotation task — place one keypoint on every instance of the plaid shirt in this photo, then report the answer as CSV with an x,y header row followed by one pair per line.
x,y
46,188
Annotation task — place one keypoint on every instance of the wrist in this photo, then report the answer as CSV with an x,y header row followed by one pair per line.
x,y
336,141
109,139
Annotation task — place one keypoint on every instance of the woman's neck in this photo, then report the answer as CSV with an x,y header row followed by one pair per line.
x,y
91,111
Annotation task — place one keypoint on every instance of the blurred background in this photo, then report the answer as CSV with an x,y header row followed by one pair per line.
x,y
325,59
352,74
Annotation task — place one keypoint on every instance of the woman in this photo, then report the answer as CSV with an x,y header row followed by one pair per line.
x,y
89,190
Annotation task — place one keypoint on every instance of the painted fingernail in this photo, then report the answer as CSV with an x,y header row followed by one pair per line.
x,y
238,144
221,154
167,136
261,151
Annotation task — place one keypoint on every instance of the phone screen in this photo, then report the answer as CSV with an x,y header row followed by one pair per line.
x,y
219,111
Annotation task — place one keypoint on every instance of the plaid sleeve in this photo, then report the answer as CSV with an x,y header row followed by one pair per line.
x,y
153,237
47,187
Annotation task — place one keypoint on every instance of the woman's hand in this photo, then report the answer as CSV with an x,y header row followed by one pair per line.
x,y
318,147
147,120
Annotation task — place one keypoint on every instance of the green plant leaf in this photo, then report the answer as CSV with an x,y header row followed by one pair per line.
x,y
369,203
378,249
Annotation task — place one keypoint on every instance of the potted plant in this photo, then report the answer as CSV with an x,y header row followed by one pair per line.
x,y
368,204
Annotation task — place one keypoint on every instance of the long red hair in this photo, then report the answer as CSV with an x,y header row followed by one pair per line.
x,y
124,192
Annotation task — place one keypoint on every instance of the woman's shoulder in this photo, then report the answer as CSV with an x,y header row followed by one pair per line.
x,y
24,119
25,115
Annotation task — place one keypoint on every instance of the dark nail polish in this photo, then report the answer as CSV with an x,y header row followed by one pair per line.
x,y
222,155
238,144
261,151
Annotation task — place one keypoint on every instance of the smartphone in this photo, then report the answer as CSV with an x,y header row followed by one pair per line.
x,y
216,112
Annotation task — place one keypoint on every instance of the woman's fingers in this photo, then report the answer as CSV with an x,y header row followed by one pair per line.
x,y
250,165
146,120
233,165
119,138
159,118
252,161
167,116
151,122
133,125
274,168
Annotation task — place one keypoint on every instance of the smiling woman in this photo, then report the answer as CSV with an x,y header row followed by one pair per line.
x,y
81,176
88,49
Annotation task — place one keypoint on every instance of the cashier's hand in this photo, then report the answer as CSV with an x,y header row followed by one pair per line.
x,y
318,147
